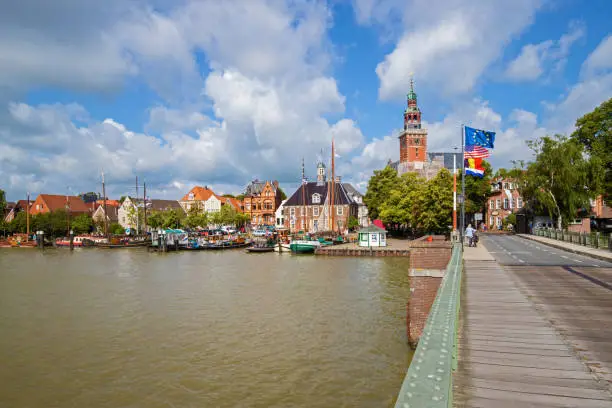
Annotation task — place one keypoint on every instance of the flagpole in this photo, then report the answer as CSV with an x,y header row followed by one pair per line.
x,y
462,222
455,190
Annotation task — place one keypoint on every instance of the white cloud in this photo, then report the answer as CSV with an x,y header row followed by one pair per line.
x,y
266,102
533,59
599,60
528,65
443,43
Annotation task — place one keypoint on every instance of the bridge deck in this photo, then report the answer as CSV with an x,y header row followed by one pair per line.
x,y
509,354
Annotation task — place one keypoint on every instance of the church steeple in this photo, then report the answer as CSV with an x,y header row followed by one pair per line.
x,y
321,173
413,140
412,114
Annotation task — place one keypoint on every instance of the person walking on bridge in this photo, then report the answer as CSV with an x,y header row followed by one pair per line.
x,y
469,233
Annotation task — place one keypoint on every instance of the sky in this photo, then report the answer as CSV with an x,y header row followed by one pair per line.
x,y
203,92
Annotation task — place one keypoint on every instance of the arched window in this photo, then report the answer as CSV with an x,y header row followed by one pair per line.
x,y
316,198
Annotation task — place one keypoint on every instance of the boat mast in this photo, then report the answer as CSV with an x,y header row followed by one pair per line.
x,y
144,197
333,187
303,197
105,209
136,203
28,219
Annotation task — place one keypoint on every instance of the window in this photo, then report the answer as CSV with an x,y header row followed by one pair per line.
x,y
417,141
505,186
292,211
491,220
417,152
497,204
340,210
491,204
191,196
315,211
506,204
519,202
316,198
511,203
38,206
247,206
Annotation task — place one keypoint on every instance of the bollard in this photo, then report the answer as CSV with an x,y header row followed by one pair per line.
x,y
71,240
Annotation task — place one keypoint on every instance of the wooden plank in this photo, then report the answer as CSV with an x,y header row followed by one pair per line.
x,y
511,355
518,385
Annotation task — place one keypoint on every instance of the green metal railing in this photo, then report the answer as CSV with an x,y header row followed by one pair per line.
x,y
428,382
593,239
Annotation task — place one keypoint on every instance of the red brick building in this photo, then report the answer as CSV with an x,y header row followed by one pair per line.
x,y
261,199
504,201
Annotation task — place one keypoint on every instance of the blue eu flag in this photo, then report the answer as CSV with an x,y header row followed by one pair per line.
x,y
477,137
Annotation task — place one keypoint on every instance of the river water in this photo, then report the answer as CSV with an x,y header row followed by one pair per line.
x,y
128,328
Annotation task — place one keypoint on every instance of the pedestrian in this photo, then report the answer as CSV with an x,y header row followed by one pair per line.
x,y
469,233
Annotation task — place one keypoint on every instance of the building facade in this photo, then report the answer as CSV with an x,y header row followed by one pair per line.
x,y
413,151
203,198
505,200
46,203
261,200
131,211
309,209
280,215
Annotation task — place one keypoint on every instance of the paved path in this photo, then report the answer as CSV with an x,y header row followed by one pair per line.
x,y
510,354
598,253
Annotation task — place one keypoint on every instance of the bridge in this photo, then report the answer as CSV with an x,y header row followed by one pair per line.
x,y
515,322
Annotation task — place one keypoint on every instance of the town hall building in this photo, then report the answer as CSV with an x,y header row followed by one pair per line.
x,y
414,156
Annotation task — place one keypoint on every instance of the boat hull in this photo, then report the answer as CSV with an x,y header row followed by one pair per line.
x,y
304,247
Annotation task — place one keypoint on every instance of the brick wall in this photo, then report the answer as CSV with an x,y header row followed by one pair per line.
x,y
428,261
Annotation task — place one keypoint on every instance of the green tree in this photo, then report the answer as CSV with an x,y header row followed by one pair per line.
x,y
380,186
242,219
594,132
434,214
477,189
2,204
559,179
283,196
196,217
116,229
353,223
173,218
82,224
400,205
155,219
228,215
18,224
215,218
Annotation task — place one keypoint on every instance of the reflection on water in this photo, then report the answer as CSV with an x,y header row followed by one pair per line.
x,y
127,328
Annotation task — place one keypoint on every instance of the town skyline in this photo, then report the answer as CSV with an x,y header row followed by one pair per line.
x,y
230,93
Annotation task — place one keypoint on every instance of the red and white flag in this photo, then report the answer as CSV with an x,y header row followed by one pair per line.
x,y
476,152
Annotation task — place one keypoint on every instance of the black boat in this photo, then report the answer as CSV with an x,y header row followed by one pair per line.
x,y
260,249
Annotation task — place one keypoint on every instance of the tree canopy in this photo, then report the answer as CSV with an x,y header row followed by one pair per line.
x,y
379,188
559,180
594,133
410,202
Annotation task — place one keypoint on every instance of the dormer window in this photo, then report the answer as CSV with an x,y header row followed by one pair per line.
x,y
191,196
316,198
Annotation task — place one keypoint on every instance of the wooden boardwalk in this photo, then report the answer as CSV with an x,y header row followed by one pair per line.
x,y
509,354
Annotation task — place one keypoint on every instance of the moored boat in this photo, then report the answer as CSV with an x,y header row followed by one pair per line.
x,y
255,249
303,246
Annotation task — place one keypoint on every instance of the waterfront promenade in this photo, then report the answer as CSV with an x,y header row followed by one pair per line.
x,y
534,327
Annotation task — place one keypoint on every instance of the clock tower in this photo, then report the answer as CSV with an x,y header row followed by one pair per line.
x,y
413,139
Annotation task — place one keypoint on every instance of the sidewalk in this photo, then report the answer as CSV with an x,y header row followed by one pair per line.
x,y
601,254
509,355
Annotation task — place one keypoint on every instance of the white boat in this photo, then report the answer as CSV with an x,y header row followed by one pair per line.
x,y
282,248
